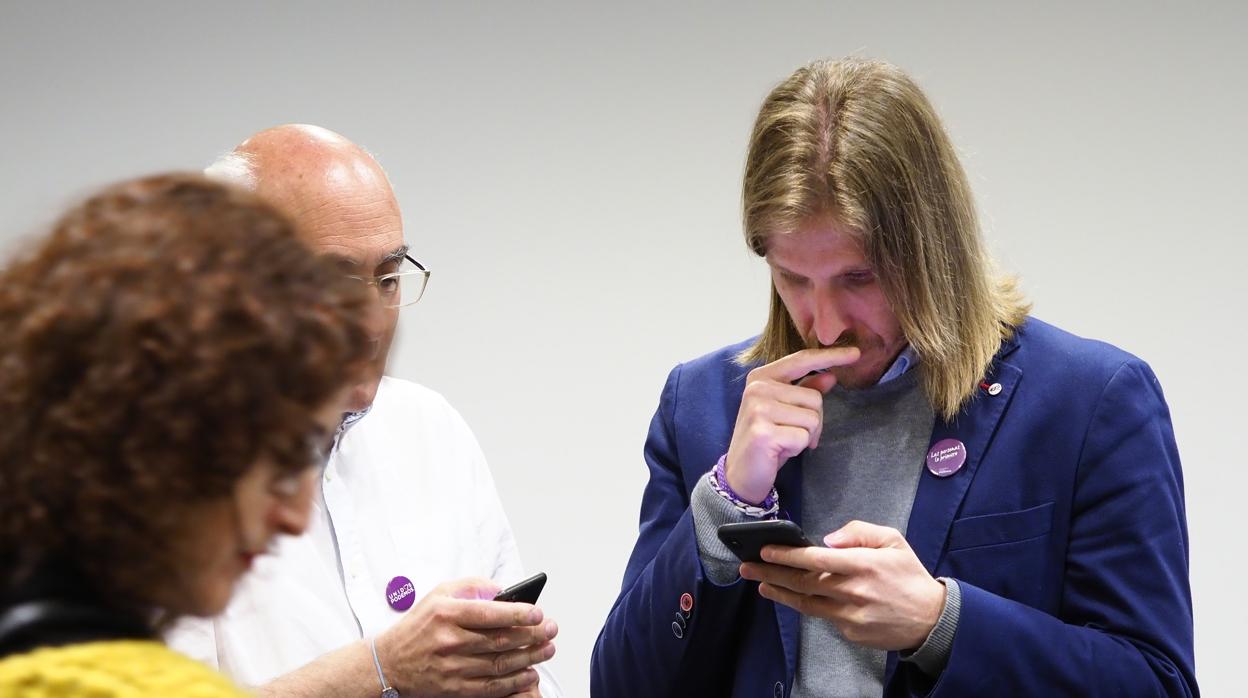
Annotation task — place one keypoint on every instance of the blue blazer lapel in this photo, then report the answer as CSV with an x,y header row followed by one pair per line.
x,y
789,486
939,498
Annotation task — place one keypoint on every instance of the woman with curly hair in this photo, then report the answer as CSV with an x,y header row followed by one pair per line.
x,y
173,364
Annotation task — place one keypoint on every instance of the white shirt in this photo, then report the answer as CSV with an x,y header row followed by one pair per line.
x,y
406,492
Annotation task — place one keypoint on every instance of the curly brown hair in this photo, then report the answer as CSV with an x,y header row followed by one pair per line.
x,y
168,333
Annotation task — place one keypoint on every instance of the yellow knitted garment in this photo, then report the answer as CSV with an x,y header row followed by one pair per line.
x,y
115,669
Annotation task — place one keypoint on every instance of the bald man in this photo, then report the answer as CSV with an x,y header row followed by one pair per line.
x,y
391,590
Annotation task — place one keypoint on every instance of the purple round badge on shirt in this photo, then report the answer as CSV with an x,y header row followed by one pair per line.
x,y
400,593
946,457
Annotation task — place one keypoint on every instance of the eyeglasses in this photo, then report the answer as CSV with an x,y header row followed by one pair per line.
x,y
288,484
399,288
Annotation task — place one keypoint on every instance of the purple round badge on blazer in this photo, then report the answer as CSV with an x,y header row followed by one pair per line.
x,y
946,457
400,593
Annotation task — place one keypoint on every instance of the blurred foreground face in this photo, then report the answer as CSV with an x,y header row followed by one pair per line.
x,y
175,363
226,536
834,299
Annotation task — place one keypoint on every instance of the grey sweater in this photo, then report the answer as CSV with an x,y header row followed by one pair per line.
x,y
866,467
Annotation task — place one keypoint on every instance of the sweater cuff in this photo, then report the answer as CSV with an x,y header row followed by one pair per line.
x,y
710,511
932,656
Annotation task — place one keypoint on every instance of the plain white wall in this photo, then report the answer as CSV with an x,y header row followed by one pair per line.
x,y
571,173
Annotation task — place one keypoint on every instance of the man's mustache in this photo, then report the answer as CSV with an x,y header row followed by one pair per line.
x,y
847,339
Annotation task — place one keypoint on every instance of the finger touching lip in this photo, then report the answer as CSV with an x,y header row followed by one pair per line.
x,y
809,361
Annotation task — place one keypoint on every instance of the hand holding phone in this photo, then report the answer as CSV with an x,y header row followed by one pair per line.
x,y
746,540
440,644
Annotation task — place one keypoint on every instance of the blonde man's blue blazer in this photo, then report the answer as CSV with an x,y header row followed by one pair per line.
x,y
1065,529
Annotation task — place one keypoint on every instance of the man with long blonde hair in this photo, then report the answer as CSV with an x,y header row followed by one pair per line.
x,y
996,505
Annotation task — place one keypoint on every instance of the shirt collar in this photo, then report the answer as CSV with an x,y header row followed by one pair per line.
x,y
905,361
350,419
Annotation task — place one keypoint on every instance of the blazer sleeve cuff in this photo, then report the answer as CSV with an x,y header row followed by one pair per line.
x,y
710,511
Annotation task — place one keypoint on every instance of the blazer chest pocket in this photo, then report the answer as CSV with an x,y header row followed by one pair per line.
x,y
1006,527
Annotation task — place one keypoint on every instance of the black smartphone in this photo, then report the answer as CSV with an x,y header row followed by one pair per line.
x,y
524,592
746,540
